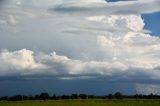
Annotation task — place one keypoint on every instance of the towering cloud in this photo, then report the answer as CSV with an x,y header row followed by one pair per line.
x,y
114,32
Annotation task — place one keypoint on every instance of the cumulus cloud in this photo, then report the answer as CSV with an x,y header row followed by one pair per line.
x,y
18,61
25,63
120,22
115,29
23,60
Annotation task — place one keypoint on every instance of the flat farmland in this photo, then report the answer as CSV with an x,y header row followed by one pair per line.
x,y
83,103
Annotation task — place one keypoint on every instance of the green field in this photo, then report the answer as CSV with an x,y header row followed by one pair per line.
x,y
84,103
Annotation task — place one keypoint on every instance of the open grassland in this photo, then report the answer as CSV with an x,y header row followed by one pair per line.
x,y
84,103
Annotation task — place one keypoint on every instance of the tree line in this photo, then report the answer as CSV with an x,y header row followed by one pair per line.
x,y
46,96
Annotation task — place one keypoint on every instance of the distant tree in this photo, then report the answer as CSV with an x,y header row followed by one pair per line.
x,y
54,97
30,97
110,96
136,96
4,98
37,97
16,98
13,98
65,97
44,96
24,97
82,96
74,96
150,96
19,97
91,96
118,95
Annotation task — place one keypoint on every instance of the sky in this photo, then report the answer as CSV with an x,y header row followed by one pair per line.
x,y
78,46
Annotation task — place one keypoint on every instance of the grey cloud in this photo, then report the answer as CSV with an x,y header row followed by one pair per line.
x,y
118,0
1,1
127,7
24,63
148,89
110,45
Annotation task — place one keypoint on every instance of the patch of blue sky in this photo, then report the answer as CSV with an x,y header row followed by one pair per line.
x,y
152,23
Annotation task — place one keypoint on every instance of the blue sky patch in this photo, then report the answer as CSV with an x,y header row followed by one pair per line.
x,y
152,22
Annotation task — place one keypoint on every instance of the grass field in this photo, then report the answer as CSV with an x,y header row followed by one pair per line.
x,y
84,103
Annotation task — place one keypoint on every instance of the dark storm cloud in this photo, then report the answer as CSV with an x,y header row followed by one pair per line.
x,y
1,2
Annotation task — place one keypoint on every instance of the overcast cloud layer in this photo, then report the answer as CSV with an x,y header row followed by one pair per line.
x,y
92,38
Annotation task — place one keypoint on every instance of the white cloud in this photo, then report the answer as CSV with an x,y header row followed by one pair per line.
x,y
11,20
116,31
34,3
25,63
64,65
8,19
18,62
23,60
127,22
133,48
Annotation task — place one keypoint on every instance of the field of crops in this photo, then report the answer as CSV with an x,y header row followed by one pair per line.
x,y
84,103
